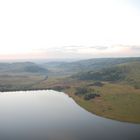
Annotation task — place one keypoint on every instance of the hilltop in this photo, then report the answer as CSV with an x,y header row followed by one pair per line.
x,y
125,72
96,64
21,67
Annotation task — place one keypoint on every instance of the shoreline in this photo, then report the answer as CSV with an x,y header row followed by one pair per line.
x,y
91,110
78,101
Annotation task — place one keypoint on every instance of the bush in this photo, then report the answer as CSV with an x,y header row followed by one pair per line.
x,y
91,96
57,88
81,91
99,84
137,86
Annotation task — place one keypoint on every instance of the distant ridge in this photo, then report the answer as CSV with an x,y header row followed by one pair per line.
x,y
21,67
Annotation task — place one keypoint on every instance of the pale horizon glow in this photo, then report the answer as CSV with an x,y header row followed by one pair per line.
x,y
63,29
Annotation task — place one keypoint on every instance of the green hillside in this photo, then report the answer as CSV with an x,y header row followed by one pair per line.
x,y
96,64
126,72
21,68
112,92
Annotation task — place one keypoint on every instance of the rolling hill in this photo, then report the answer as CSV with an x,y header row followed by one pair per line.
x,y
126,72
96,64
21,68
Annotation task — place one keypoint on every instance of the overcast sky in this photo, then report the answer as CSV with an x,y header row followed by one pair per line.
x,y
69,28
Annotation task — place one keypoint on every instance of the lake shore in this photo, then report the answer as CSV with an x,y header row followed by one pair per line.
x,y
117,101
119,106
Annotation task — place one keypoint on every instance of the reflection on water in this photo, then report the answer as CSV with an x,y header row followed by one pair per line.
x,y
51,115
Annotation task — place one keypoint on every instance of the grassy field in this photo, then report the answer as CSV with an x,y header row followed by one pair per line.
x,y
19,82
119,102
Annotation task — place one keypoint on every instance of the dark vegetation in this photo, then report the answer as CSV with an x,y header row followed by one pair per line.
x,y
86,93
91,96
81,91
35,69
99,84
128,73
59,87
110,74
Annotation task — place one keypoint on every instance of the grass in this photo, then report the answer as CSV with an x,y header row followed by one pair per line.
x,y
19,82
119,102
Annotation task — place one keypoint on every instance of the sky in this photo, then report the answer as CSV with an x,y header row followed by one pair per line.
x,y
65,29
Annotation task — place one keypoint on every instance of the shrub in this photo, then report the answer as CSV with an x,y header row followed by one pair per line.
x,y
81,91
99,84
91,96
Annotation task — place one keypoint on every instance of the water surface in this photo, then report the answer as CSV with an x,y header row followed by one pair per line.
x,y
51,115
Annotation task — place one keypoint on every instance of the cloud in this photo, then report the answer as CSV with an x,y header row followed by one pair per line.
x,y
76,49
64,49
137,48
99,47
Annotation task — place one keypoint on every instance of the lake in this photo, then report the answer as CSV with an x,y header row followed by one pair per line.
x,y
52,115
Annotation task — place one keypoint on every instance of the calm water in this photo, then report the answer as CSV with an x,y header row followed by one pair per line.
x,y
51,115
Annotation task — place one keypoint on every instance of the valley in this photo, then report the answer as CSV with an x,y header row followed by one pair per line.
x,y
106,87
